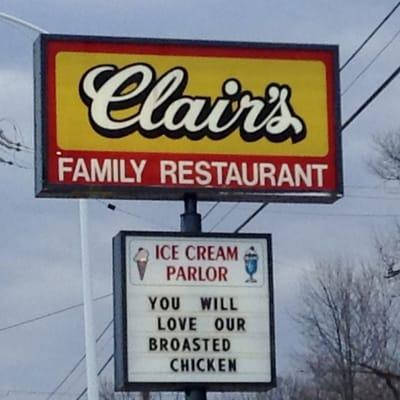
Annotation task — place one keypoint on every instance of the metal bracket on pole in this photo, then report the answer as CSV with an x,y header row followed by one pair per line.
x,y
190,219
191,222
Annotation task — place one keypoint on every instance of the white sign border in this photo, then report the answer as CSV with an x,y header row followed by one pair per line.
x,y
122,383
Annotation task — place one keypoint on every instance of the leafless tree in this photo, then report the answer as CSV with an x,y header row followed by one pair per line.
x,y
388,250
293,388
107,393
386,164
349,322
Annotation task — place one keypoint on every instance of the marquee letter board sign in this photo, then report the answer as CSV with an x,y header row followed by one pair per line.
x,y
193,310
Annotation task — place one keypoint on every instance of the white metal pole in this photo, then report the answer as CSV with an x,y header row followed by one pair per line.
x,y
90,342
21,22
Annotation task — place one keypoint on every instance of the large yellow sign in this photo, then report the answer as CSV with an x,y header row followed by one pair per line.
x,y
130,118
205,77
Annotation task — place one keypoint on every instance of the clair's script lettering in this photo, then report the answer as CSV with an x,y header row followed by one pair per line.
x,y
157,106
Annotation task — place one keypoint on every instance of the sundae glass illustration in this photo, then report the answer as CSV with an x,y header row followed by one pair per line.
x,y
141,258
250,263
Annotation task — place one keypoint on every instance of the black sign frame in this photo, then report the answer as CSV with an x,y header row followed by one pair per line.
x,y
122,382
45,189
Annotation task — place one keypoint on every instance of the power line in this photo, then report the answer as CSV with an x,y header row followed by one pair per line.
x,y
99,350
15,146
370,36
351,84
7,392
262,206
224,216
371,98
259,209
360,196
3,161
210,210
366,187
17,132
98,374
50,314
73,369
113,207
364,215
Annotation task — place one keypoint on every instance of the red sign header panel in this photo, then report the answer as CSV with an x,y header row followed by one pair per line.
x,y
153,119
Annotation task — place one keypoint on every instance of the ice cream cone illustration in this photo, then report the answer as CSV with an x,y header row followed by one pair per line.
x,y
141,258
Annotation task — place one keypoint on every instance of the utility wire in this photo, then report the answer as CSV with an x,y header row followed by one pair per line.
x,y
55,390
98,374
224,216
17,132
50,314
350,85
370,36
394,196
7,392
371,98
243,224
210,210
13,146
4,161
364,215
74,381
113,207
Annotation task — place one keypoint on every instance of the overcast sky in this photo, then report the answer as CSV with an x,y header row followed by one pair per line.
x,y
39,253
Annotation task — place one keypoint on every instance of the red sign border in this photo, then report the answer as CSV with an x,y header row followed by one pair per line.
x,y
46,47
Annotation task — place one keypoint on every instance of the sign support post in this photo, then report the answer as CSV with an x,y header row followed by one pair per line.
x,y
90,342
191,222
190,219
